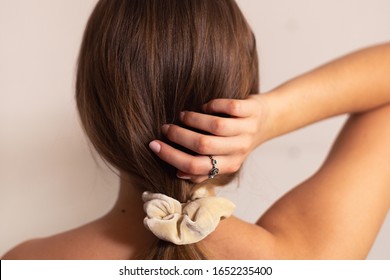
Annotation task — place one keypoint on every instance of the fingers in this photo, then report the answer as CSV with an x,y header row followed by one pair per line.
x,y
181,160
215,125
195,168
229,141
206,144
232,107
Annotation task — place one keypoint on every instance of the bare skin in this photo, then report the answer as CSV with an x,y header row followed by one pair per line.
x,y
335,214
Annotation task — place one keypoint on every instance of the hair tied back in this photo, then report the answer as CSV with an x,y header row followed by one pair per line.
x,y
184,223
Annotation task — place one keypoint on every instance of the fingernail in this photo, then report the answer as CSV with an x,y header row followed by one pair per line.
x,y
184,177
155,147
181,175
165,128
182,115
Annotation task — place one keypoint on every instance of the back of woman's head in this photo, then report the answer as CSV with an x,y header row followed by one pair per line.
x,y
141,63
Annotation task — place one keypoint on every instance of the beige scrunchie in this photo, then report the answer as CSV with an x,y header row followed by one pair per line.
x,y
184,223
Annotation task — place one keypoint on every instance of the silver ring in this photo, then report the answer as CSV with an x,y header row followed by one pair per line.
x,y
214,170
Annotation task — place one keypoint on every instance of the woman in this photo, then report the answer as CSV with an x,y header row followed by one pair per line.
x,y
142,63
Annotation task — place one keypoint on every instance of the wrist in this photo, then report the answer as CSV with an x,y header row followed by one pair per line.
x,y
271,120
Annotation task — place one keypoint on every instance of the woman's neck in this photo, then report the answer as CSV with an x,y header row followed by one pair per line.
x,y
124,222
130,195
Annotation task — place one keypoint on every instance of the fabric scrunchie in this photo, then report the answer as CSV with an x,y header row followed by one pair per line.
x,y
184,223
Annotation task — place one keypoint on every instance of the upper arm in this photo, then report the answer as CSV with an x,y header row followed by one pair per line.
x,y
338,212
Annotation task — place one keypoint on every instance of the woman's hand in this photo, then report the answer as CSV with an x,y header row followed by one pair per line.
x,y
230,142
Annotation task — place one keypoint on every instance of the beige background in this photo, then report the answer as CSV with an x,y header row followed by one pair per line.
x,y
49,181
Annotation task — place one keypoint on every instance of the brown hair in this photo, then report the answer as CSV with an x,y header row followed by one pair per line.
x,y
141,63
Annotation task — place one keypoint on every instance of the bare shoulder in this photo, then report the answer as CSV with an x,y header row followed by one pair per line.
x,y
40,249
90,241
21,251
107,238
72,244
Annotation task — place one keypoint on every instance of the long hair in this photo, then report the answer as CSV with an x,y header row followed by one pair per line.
x,y
141,63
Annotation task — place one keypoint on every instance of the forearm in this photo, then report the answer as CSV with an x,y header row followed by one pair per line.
x,y
355,83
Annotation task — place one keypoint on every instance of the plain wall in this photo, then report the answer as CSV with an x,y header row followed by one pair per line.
x,y
49,181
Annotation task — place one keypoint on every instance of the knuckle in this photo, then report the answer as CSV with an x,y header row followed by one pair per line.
x,y
229,169
234,167
172,132
233,107
218,126
192,167
202,145
242,149
187,117
245,145
211,105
